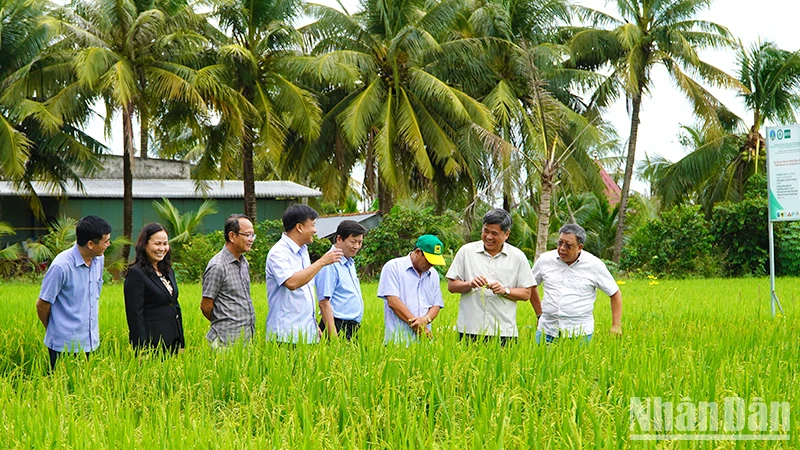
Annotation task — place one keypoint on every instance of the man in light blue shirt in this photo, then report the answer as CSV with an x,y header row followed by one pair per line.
x,y
289,275
338,290
410,289
70,294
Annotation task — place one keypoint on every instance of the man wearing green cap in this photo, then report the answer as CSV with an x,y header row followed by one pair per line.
x,y
409,287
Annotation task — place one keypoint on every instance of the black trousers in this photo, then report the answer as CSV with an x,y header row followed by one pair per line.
x,y
348,327
54,355
504,340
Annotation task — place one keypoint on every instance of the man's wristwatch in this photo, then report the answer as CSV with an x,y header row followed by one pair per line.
x,y
508,292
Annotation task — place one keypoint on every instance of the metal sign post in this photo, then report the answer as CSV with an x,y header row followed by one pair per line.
x,y
783,186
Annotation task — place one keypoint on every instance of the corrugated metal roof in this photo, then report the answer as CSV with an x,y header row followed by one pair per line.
x,y
326,226
170,189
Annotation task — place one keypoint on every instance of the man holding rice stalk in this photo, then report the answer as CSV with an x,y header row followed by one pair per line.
x,y
571,277
409,286
491,276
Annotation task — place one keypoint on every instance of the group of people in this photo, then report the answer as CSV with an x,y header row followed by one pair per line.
x,y
490,275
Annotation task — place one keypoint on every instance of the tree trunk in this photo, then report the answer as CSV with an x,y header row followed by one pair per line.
x,y
441,199
754,139
127,178
543,231
144,119
626,183
248,176
144,136
385,198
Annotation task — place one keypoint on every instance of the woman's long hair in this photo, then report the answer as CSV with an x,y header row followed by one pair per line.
x,y
142,260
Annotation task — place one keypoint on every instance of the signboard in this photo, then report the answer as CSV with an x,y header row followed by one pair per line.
x,y
783,172
783,184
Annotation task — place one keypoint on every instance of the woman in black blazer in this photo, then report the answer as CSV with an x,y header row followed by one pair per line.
x,y
151,294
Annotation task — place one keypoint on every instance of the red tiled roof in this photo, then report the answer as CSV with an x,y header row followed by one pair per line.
x,y
612,191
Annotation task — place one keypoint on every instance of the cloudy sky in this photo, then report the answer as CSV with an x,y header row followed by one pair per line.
x,y
665,109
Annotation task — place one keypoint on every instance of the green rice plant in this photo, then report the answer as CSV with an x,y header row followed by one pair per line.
x,y
703,340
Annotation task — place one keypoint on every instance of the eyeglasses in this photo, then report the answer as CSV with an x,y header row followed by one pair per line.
x,y
248,236
566,245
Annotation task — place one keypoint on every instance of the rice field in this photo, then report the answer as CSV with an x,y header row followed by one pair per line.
x,y
684,341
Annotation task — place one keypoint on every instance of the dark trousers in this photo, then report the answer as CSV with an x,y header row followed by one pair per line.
x,y
504,340
54,355
348,327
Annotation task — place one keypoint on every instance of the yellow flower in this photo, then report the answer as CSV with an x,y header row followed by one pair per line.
x,y
620,282
653,283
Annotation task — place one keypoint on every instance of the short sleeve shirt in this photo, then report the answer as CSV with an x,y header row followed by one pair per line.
x,y
226,280
480,311
291,312
418,292
338,282
570,292
73,290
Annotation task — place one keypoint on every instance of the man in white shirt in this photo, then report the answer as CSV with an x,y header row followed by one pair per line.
x,y
571,277
491,276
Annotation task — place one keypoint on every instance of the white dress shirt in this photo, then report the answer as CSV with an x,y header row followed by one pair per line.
x,y
570,292
291,312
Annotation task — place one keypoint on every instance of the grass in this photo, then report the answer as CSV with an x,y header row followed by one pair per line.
x,y
699,339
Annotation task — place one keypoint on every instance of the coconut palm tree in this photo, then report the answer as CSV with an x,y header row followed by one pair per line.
x,y
257,49
718,167
42,109
662,33
715,169
771,78
120,44
528,91
413,129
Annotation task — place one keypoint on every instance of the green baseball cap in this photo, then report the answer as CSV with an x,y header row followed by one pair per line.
x,y
432,248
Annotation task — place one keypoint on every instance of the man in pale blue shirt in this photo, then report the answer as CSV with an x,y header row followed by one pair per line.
x,y
289,275
409,286
338,290
70,294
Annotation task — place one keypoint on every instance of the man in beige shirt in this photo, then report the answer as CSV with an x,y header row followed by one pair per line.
x,y
491,276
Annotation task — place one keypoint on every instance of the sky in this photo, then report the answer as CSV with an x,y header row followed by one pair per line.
x,y
665,109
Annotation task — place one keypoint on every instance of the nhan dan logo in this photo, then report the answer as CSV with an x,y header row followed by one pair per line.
x,y
653,419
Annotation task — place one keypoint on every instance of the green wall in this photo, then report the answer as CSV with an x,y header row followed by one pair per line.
x,y
18,214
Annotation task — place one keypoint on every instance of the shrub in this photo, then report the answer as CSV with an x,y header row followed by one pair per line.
x,y
679,244
397,234
787,248
190,258
740,235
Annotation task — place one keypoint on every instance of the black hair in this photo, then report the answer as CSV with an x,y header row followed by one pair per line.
x,y
349,228
142,260
91,228
232,224
498,216
297,214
